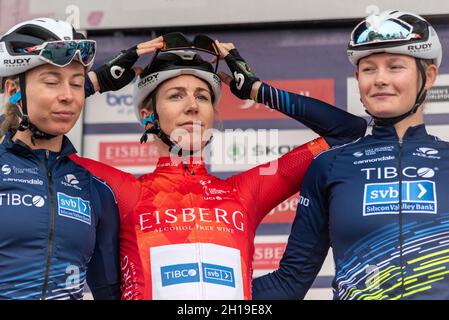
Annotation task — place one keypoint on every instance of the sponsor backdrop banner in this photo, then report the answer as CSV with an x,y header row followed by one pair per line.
x,y
311,62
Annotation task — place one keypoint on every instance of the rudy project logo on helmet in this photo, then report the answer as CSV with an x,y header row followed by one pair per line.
x,y
28,200
12,63
418,48
148,80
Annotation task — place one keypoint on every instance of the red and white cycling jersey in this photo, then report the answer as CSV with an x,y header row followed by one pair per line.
x,y
186,234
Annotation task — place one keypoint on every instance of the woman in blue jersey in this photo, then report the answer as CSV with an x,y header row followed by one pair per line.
x,y
59,224
378,202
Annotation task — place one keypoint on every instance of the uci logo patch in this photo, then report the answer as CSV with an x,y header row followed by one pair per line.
x,y
74,208
383,198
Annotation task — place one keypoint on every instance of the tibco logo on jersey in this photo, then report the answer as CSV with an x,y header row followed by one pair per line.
x,y
180,273
392,172
209,219
190,272
28,200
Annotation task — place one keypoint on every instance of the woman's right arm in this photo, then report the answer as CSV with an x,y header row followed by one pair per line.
x,y
335,125
307,245
125,186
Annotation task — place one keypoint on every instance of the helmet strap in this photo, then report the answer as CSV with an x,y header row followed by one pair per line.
x,y
173,147
420,97
25,123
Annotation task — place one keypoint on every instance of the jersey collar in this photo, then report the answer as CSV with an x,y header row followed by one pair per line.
x,y
20,148
193,166
389,133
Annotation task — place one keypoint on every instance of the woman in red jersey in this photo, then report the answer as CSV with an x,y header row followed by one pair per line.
x,y
186,234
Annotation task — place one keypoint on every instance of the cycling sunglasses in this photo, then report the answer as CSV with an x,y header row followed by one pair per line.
x,y
390,30
61,53
178,40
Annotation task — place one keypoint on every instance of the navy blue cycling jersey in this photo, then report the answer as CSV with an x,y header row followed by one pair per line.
x,y
388,242
59,227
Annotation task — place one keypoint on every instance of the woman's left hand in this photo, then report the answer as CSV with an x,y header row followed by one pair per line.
x,y
243,83
119,71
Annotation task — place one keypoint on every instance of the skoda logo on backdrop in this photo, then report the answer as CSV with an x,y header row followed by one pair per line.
x,y
236,151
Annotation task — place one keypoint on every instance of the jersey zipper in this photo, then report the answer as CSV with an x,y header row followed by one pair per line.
x,y
200,294
401,222
52,225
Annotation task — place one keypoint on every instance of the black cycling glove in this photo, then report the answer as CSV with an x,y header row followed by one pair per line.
x,y
117,72
244,78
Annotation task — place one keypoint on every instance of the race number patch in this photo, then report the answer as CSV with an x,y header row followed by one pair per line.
x,y
383,198
196,271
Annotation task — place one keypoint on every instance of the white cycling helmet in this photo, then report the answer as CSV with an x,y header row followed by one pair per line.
x,y
15,57
32,43
171,64
394,32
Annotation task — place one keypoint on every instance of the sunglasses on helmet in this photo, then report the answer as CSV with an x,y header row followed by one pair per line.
x,y
390,30
178,40
61,53
202,44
